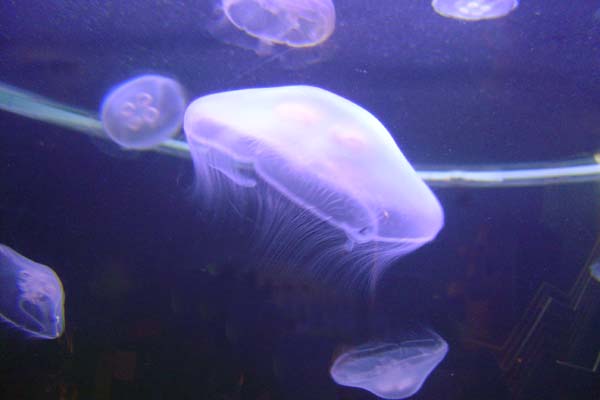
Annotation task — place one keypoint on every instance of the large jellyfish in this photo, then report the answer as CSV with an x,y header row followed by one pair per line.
x,y
31,295
474,10
144,111
260,24
391,370
334,190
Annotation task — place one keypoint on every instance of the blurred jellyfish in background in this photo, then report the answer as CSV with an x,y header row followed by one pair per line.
x,y
474,10
260,24
144,111
391,369
31,296
595,269
334,191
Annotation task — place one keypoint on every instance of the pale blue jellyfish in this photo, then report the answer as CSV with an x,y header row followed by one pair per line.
x,y
144,111
335,162
391,370
474,10
31,295
595,269
259,24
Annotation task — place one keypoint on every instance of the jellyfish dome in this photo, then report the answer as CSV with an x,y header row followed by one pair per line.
x,y
474,10
31,296
595,270
326,155
144,111
390,370
260,24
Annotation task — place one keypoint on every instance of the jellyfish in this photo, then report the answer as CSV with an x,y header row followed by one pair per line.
x,y
260,24
31,296
144,111
334,190
391,370
595,269
474,10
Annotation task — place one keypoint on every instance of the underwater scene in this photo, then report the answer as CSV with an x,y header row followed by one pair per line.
x,y
300,199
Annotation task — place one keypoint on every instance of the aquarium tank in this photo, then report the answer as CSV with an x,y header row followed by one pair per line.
x,y
300,199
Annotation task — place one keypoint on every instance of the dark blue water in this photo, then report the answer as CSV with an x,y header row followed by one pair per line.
x,y
164,303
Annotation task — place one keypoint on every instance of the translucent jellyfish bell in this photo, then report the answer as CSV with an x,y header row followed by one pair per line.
x,y
293,23
31,295
474,10
595,269
327,155
144,111
391,370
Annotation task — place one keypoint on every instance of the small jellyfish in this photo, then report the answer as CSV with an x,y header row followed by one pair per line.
x,y
144,111
331,159
31,295
260,24
595,269
474,10
391,370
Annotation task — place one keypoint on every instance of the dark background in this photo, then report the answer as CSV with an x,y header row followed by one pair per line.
x,y
158,304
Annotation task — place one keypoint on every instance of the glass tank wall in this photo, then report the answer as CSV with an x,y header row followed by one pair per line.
x,y
276,199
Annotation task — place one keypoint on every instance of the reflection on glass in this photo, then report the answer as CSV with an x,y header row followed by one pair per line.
x,y
31,295
391,370
474,10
